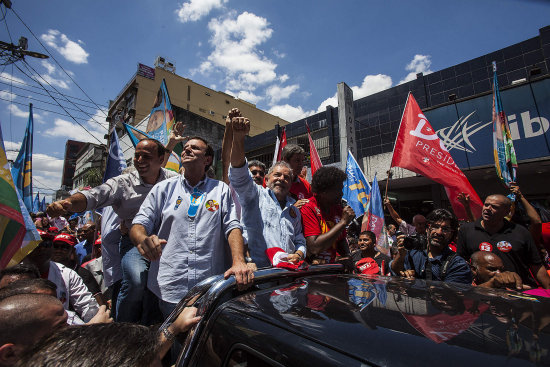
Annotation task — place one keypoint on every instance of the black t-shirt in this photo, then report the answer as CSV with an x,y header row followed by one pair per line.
x,y
512,243
89,280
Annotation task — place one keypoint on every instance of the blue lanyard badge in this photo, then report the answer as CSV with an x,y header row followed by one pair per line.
x,y
196,200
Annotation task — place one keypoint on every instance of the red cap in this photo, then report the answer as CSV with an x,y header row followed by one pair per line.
x,y
98,241
66,238
367,265
45,235
53,229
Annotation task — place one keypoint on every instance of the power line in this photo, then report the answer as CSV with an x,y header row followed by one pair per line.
x,y
41,109
50,103
54,59
32,91
63,108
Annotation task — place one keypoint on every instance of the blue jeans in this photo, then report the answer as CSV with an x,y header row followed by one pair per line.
x,y
133,301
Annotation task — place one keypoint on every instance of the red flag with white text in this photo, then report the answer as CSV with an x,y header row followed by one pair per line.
x,y
313,155
419,149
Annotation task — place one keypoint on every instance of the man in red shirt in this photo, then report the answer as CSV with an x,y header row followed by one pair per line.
x,y
323,218
300,189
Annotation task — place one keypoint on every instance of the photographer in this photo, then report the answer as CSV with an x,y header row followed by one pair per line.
x,y
438,262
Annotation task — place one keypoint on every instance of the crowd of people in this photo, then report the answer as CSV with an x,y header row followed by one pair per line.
x,y
162,232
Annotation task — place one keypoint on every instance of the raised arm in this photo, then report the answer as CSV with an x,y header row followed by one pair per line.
x,y
227,143
535,226
464,199
176,137
392,211
241,127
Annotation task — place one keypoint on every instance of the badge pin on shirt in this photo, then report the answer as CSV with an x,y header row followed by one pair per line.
x,y
196,199
178,202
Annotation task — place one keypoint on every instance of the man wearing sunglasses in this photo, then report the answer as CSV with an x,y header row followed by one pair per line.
x,y
257,169
438,261
184,226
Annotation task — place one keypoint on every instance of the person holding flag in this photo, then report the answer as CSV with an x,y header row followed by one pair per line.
x,y
374,220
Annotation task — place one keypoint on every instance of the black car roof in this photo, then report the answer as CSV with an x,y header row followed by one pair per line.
x,y
393,321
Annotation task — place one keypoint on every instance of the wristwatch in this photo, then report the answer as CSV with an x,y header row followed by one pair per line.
x,y
248,259
168,334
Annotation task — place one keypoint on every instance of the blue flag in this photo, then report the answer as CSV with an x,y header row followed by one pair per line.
x,y
356,187
21,170
132,131
43,205
115,159
36,203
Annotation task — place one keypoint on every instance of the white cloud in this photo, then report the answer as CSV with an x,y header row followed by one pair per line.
x,y
371,84
71,130
49,67
6,94
196,9
246,95
70,50
419,64
280,55
289,113
10,78
276,93
236,53
55,82
18,112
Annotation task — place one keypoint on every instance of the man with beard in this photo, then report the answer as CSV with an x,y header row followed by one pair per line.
x,y
509,241
268,214
438,261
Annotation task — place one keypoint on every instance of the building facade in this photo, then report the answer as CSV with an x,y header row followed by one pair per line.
x,y
90,165
457,101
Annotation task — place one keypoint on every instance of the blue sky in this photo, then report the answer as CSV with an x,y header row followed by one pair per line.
x,y
285,56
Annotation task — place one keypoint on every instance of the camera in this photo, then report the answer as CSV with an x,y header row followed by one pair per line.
x,y
414,242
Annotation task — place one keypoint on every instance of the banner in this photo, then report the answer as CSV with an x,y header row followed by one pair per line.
x,y
15,240
313,155
21,170
161,118
374,220
418,149
43,205
503,146
115,160
357,190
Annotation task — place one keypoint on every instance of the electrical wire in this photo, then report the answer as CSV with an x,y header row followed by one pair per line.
x,y
54,59
63,108
33,91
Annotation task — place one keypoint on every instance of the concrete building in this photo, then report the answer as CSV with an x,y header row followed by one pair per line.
x,y
457,101
90,165
72,148
201,109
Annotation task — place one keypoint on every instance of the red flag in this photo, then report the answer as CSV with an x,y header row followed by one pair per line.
x,y
419,149
281,145
313,155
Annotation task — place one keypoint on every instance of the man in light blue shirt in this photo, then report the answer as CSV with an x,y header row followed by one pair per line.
x,y
268,214
182,227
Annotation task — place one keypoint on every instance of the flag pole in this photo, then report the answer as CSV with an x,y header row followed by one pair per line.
x,y
390,173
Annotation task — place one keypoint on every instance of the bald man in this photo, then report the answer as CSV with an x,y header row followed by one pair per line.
x,y
512,243
488,271
24,319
